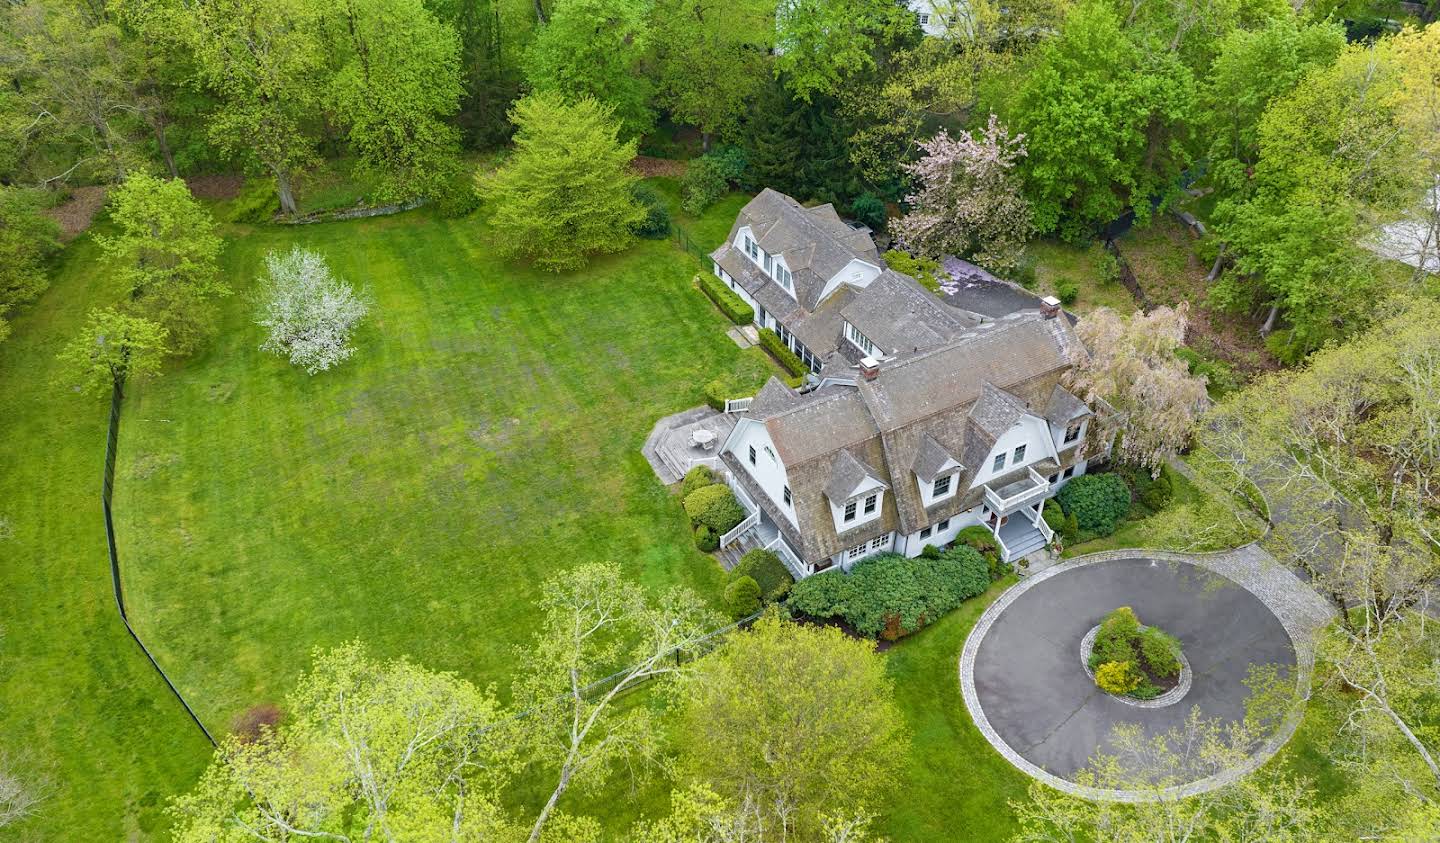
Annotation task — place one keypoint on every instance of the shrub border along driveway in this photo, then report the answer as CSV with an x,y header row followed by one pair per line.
x,y
1299,609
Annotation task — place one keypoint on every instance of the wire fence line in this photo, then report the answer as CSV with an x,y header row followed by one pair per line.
x,y
107,492
690,650
687,243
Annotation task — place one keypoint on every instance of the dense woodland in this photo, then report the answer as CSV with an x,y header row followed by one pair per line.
x,y
1296,134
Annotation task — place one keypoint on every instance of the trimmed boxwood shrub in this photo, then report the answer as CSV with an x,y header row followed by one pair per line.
x,y
706,539
1161,651
1099,502
730,304
696,478
783,355
889,595
767,570
715,507
742,597
1064,525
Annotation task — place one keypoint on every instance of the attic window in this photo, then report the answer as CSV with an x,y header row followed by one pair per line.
x,y
782,275
999,462
850,511
870,503
1019,455
942,487
1072,432
751,249
787,495
769,264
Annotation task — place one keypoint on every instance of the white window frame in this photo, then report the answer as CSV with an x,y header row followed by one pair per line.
x,y
998,463
856,552
926,532
877,543
852,510
942,526
936,493
872,503
1019,454
859,340
1072,431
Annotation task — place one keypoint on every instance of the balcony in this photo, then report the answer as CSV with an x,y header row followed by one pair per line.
x,y
1010,497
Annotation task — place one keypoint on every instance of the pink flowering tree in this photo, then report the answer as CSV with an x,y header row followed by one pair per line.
x,y
1132,366
968,199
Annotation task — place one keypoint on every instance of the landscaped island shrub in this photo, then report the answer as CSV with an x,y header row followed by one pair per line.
x,y
767,570
715,507
889,595
730,304
782,354
1131,659
1099,502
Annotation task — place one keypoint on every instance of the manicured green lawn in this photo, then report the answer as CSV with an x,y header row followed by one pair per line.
x,y
485,436
955,785
81,712
1058,262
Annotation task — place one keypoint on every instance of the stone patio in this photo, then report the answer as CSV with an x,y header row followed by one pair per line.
x,y
668,448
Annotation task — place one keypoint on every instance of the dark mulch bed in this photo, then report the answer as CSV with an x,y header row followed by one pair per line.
x,y
649,167
74,214
217,188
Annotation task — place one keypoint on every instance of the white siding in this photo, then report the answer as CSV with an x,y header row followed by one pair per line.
x,y
768,470
1033,433
926,489
912,544
866,489
856,273
1057,435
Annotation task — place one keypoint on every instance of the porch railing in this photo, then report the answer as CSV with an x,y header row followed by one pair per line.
x,y
748,503
1037,489
781,548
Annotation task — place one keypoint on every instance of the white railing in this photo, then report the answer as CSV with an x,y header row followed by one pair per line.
x,y
1044,528
740,529
782,549
1004,551
738,405
1038,488
745,500
709,462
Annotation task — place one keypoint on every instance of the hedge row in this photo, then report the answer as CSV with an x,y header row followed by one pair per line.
x,y
783,355
730,304
890,595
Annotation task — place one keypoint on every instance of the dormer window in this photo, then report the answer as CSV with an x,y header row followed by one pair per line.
x,y
782,275
751,249
1072,432
850,511
769,264
860,341
942,487
870,503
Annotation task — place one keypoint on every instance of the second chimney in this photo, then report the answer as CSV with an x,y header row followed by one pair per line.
x,y
869,368
1050,307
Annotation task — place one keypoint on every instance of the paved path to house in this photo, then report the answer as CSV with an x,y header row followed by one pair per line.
x,y
1027,690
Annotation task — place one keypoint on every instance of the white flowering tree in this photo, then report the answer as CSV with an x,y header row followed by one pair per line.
x,y
1132,365
968,198
309,312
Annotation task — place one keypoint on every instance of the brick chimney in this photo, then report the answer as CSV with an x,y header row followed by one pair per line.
x,y
869,368
1049,307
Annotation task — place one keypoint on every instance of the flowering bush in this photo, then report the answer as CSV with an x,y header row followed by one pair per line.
x,y
310,313
1118,677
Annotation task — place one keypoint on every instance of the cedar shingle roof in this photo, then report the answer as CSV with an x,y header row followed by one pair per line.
x,y
931,458
899,315
996,411
847,475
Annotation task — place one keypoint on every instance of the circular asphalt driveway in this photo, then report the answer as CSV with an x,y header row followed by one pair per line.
x,y
1029,692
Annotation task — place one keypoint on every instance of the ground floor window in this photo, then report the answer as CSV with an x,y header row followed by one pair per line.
x,y
1069,472
943,525
925,533
856,551
879,542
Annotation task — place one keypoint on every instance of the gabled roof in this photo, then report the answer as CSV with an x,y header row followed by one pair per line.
x,y
1063,407
774,397
996,412
899,315
848,476
820,425
815,243
931,458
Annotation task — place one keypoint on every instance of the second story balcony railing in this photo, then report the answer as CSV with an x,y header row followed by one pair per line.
x,y
1022,492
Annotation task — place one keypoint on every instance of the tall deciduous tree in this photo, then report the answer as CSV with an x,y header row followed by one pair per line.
x,y
112,347
969,199
782,719
598,626
1105,122
165,257
593,48
368,750
266,61
1132,366
397,85
27,239
567,192
711,60
820,42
